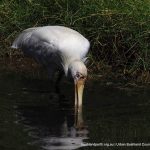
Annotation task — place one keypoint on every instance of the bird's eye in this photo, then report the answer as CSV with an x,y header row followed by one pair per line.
x,y
77,75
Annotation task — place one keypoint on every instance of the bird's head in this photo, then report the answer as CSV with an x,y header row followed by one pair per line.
x,y
77,72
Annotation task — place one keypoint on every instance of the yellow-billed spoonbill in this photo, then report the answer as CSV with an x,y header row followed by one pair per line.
x,y
58,48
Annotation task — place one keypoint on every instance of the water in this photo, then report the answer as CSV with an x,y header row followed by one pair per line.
x,y
33,116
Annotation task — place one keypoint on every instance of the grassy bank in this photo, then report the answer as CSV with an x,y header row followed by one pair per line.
x,y
119,30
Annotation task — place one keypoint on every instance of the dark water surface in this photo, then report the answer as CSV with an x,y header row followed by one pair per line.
x,y
33,116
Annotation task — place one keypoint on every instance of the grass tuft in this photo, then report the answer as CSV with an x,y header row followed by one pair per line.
x,y
118,30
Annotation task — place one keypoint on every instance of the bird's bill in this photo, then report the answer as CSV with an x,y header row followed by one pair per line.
x,y
79,87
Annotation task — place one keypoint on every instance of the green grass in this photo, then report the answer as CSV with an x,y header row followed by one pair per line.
x,y
119,30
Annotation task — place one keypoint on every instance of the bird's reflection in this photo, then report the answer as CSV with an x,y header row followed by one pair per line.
x,y
55,125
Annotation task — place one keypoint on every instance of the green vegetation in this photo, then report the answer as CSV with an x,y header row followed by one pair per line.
x,y
119,30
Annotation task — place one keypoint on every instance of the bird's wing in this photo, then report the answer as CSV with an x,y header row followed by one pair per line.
x,y
45,43
65,40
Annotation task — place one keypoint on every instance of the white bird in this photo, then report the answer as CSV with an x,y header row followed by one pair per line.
x,y
58,48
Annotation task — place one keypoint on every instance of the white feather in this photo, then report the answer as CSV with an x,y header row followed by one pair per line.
x,y
53,46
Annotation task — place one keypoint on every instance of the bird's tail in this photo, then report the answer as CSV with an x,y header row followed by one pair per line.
x,y
22,37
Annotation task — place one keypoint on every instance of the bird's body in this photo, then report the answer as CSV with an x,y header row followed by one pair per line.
x,y
53,46
57,48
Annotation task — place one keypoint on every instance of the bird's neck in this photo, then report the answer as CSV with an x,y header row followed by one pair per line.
x,y
67,65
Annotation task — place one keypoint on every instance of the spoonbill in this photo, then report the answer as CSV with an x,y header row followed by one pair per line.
x,y
58,48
